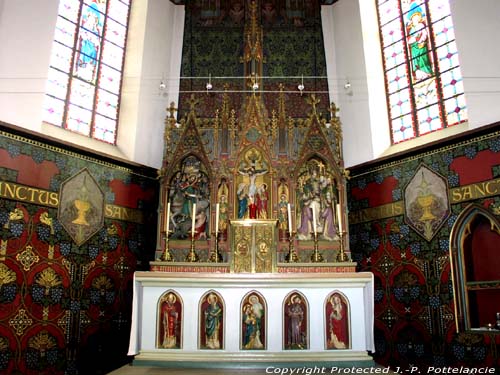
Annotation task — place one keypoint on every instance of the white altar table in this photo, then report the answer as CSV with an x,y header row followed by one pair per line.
x,y
149,287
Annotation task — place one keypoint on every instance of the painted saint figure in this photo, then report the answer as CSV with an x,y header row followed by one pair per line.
x,y
213,315
418,41
295,321
337,323
170,316
252,324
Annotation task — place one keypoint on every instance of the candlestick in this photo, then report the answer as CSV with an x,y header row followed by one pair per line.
x,y
167,219
217,218
339,218
314,221
193,219
289,218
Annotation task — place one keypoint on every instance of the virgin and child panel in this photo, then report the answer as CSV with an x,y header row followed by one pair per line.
x,y
189,197
295,322
253,322
169,331
211,320
337,325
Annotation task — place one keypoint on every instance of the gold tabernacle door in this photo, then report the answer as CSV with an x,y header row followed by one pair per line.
x,y
254,246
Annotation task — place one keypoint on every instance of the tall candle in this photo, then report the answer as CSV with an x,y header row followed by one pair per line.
x,y
167,220
314,221
339,217
289,218
216,219
193,219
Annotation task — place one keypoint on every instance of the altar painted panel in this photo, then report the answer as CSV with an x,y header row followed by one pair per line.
x,y
234,289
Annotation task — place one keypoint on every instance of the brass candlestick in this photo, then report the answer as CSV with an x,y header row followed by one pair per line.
x,y
215,257
291,257
192,256
167,256
316,257
342,256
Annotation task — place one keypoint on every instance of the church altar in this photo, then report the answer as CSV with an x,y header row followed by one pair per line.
x,y
272,289
252,265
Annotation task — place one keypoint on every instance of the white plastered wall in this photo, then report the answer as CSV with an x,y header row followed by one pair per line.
x,y
153,52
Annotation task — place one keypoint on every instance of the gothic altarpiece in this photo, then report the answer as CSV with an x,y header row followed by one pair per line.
x,y
252,238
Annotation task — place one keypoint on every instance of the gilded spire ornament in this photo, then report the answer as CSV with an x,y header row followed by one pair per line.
x,y
337,130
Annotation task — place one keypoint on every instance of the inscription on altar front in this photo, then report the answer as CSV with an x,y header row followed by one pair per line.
x,y
254,249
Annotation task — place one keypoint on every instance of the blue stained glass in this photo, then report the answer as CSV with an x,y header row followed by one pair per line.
x,y
443,31
452,83
398,79
400,103
455,110
402,129
448,56
428,119
394,56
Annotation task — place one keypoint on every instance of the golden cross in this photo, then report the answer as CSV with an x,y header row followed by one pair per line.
x,y
312,101
192,103
172,110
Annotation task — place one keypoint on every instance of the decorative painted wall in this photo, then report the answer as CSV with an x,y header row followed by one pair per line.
x,y
72,232
401,214
292,47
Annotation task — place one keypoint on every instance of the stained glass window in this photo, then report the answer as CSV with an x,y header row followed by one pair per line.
x,y
423,81
84,80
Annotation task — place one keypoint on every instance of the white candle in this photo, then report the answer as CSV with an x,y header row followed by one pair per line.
x,y
167,220
216,218
339,217
289,218
314,221
193,219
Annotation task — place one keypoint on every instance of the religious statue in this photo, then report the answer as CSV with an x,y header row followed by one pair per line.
x,y
337,323
212,314
295,323
170,319
253,318
189,186
222,199
317,197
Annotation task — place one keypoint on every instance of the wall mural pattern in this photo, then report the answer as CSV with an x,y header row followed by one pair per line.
x,y
413,285
293,45
65,304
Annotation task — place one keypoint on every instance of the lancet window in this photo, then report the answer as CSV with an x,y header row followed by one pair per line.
x,y
424,84
85,74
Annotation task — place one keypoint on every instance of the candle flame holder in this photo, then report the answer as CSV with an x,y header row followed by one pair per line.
x,y
216,257
291,257
316,257
192,257
167,256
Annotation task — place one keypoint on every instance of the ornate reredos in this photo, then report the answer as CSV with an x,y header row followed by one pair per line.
x,y
266,158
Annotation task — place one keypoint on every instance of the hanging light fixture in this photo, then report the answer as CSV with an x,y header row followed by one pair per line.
x,y
301,85
209,83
